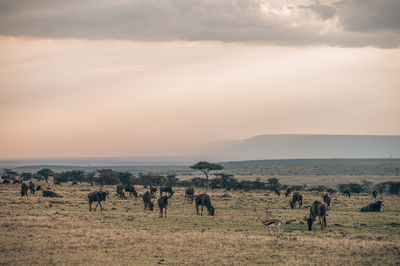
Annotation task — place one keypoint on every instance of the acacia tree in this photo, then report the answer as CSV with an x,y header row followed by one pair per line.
x,y
206,167
46,173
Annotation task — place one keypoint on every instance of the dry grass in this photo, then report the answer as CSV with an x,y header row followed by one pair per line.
x,y
37,230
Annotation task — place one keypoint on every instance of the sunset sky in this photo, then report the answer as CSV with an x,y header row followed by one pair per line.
x,y
155,77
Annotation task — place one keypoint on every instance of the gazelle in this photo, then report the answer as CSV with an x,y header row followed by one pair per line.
x,y
270,223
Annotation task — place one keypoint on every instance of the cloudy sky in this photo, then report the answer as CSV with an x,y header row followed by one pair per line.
x,y
154,77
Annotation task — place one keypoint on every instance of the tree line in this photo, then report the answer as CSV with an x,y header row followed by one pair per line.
x,y
220,180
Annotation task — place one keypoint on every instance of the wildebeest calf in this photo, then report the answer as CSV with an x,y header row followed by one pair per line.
x,y
24,189
204,200
97,196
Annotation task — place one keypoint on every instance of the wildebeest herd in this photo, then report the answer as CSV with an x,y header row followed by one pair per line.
x,y
318,209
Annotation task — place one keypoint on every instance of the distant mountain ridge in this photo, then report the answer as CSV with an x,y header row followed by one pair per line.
x,y
262,147
307,146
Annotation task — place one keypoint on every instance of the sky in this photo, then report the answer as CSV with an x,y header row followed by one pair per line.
x,y
157,77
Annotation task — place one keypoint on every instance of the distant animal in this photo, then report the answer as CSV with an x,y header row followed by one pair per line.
x,y
346,193
50,194
74,183
148,205
277,192
16,181
120,191
98,196
189,194
153,191
132,191
317,209
167,189
32,187
204,200
297,197
24,189
6,181
288,191
38,188
163,204
327,200
271,223
374,193
373,207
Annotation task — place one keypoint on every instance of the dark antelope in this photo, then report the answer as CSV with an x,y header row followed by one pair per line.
x,y
317,209
147,201
297,197
204,200
98,196
163,204
167,189
189,195
327,200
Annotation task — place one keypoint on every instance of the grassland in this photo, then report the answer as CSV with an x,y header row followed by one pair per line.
x,y
37,230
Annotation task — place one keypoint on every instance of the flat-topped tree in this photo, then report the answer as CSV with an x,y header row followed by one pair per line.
x,y
206,167
46,173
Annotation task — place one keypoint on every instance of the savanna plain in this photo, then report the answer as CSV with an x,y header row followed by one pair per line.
x,y
38,230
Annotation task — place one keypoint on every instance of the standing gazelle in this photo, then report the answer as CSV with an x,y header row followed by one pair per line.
x,y
270,223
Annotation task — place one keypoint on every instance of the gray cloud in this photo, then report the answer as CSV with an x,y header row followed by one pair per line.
x,y
369,15
361,23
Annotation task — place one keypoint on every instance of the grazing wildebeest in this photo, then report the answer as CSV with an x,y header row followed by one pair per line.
x,y
51,194
120,191
374,193
317,209
32,187
163,204
373,207
189,194
147,201
297,197
16,181
277,192
24,189
204,200
98,196
288,191
153,191
38,188
6,181
166,189
132,191
327,200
